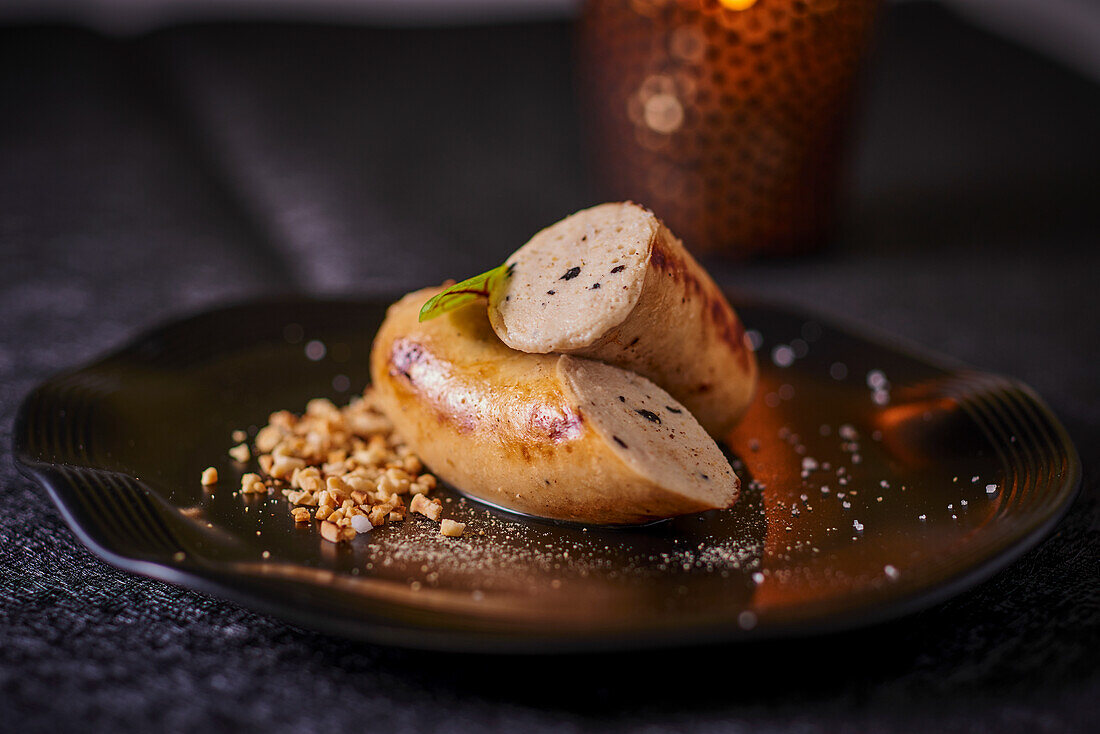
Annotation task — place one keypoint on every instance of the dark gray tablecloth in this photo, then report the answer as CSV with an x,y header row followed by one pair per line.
x,y
148,178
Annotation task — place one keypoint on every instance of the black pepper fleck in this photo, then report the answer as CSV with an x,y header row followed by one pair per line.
x,y
670,409
595,286
571,273
550,293
648,415
619,441
618,269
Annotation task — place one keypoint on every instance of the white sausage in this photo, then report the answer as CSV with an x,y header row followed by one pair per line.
x,y
547,435
611,283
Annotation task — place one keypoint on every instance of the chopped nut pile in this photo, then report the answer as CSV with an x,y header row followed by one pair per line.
x,y
344,468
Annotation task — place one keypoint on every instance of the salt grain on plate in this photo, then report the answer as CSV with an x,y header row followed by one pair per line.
x,y
990,488
746,619
783,356
890,571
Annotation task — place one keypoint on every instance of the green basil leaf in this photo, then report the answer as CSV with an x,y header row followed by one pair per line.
x,y
462,293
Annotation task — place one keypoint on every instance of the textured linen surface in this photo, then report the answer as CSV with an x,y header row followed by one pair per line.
x,y
144,179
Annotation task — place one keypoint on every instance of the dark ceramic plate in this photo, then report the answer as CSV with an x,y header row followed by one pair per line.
x,y
876,482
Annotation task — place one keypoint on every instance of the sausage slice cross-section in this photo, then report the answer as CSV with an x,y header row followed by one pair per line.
x,y
613,284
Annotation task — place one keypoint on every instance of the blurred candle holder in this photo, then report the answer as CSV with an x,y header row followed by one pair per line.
x,y
726,117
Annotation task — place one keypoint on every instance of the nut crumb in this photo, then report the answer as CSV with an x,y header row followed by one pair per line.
x,y
344,467
431,509
452,529
253,484
331,532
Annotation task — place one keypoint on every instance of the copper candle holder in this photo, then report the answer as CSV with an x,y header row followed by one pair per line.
x,y
726,117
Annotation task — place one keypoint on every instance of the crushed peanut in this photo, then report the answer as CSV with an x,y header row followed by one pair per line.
x,y
253,484
431,509
284,466
209,476
347,463
452,529
334,533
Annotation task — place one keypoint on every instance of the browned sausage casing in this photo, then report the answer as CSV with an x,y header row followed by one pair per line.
x,y
547,435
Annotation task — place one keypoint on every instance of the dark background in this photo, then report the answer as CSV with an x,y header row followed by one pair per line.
x,y
142,179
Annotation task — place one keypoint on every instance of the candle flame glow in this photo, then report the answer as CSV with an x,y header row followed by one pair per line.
x,y
737,4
